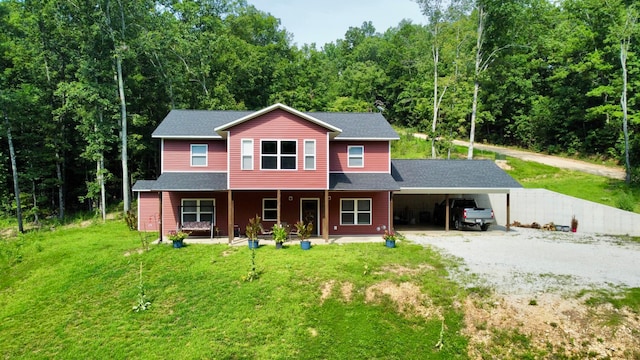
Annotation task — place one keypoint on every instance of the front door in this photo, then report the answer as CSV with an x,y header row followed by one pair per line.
x,y
309,209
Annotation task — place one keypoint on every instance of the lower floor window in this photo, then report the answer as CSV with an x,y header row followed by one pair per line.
x,y
198,210
269,209
355,212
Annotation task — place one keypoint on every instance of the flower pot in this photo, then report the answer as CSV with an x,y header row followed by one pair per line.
x,y
278,245
177,244
253,244
574,229
390,243
305,244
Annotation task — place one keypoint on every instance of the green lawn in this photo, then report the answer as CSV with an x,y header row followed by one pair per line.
x,y
69,294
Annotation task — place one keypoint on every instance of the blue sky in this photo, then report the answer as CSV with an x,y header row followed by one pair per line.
x,y
325,21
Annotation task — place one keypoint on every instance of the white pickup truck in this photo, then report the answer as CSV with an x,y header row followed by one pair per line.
x,y
463,212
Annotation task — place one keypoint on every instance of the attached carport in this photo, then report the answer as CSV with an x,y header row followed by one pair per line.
x,y
424,181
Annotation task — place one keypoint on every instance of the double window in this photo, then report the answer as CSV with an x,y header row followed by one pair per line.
x,y
278,155
355,156
198,210
355,211
199,154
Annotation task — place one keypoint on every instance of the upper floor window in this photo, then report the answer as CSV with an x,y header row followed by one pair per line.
x,y
309,154
355,156
278,154
247,154
199,154
355,211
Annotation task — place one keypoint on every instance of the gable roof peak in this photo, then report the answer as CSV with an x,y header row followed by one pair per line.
x,y
278,106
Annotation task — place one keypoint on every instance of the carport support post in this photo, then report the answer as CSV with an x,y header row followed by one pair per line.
x,y
446,213
230,216
325,216
508,212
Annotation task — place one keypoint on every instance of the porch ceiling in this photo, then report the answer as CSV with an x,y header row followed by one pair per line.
x,y
180,181
362,182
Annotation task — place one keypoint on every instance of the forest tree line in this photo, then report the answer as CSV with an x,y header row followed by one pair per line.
x,y
81,80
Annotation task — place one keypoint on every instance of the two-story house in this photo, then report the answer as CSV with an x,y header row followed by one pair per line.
x,y
331,169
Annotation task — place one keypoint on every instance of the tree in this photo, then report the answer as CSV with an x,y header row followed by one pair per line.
x,y
630,20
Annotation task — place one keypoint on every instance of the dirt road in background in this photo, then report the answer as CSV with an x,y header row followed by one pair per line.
x,y
555,161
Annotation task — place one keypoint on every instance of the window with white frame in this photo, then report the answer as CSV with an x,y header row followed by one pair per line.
x,y
199,154
355,156
355,212
278,154
198,210
309,154
270,209
247,154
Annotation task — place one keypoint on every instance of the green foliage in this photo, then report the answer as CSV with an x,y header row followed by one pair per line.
x,y
254,227
304,230
143,304
626,201
279,233
131,217
253,274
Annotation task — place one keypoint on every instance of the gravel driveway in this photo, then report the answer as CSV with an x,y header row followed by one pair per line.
x,y
528,261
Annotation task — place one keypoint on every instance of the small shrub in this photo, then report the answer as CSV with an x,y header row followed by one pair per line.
x,y
626,201
143,304
132,220
253,273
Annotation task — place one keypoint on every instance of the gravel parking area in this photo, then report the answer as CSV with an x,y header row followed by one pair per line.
x,y
529,261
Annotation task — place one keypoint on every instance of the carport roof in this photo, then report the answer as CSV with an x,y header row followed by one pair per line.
x,y
184,182
451,177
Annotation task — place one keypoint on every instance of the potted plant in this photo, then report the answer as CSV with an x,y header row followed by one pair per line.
x,y
304,233
253,229
389,239
177,237
574,224
280,234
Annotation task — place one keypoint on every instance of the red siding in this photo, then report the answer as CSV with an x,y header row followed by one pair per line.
x,y
376,156
172,201
278,125
176,156
148,211
379,216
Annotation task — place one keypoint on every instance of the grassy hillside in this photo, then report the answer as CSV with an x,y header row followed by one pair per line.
x,y
69,294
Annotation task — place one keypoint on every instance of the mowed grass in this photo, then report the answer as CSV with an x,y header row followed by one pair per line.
x,y
585,186
69,294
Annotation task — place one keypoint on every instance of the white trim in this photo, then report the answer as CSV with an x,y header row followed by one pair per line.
x,y
349,157
184,137
242,154
343,138
198,155
264,218
358,172
318,215
278,155
355,211
451,191
328,155
198,212
161,156
304,155
274,107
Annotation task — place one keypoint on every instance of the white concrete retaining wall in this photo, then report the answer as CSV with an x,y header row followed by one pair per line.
x,y
544,206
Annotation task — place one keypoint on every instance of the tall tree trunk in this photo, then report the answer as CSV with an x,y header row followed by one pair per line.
x,y
14,169
126,197
36,218
436,58
476,82
59,173
624,47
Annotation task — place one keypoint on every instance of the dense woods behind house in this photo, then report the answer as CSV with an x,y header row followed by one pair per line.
x,y
555,76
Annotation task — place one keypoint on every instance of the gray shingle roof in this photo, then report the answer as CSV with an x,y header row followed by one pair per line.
x,y
184,182
201,124
362,181
451,174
